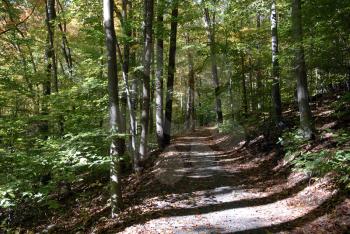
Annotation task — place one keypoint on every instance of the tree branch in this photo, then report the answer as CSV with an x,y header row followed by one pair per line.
x,y
18,23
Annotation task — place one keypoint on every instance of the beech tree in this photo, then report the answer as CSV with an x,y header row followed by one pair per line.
x,y
210,27
276,95
306,120
190,118
171,73
159,74
147,60
116,147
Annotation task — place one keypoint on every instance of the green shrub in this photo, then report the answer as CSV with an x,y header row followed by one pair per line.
x,y
320,162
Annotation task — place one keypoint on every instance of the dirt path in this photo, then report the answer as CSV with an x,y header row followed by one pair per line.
x,y
210,183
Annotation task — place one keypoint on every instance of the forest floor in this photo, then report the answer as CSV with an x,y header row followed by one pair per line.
x,y
207,182
210,183
213,183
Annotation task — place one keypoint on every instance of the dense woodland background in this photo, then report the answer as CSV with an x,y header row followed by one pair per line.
x,y
171,67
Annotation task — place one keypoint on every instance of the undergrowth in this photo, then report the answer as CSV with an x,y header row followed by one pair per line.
x,y
319,162
34,175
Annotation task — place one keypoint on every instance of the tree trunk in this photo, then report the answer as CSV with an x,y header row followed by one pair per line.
x,y
201,116
51,55
51,69
276,95
147,60
159,75
65,45
306,120
244,88
251,90
115,118
259,92
129,95
190,95
171,74
151,116
210,26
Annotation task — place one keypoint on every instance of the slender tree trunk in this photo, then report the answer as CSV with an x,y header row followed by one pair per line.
x,y
159,75
147,60
51,54
231,96
201,117
276,95
52,62
306,120
65,45
190,95
129,95
114,111
151,117
51,69
251,90
244,88
210,25
123,114
171,74
259,92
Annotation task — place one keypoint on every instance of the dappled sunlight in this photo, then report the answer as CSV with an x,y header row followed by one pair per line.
x,y
228,191
212,209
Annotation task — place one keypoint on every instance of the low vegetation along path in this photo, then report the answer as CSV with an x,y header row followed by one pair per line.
x,y
212,183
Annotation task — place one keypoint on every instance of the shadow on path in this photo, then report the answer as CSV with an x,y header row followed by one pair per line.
x,y
204,172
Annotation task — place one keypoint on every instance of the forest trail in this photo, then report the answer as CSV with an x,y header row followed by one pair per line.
x,y
211,183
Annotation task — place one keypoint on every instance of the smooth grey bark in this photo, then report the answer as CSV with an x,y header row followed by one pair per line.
x,y
123,60
171,73
259,85
66,50
244,87
125,63
152,89
190,121
228,67
147,60
129,96
306,120
159,74
210,27
251,90
201,116
276,95
114,111
129,102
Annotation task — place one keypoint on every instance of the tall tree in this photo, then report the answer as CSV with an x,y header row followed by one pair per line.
x,y
51,62
125,63
276,95
147,60
210,27
259,68
190,119
66,50
244,86
115,119
306,120
51,55
159,74
171,72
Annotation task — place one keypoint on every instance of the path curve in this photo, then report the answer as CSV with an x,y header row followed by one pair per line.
x,y
209,183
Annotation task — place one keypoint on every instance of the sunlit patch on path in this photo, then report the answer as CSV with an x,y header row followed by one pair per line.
x,y
204,184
